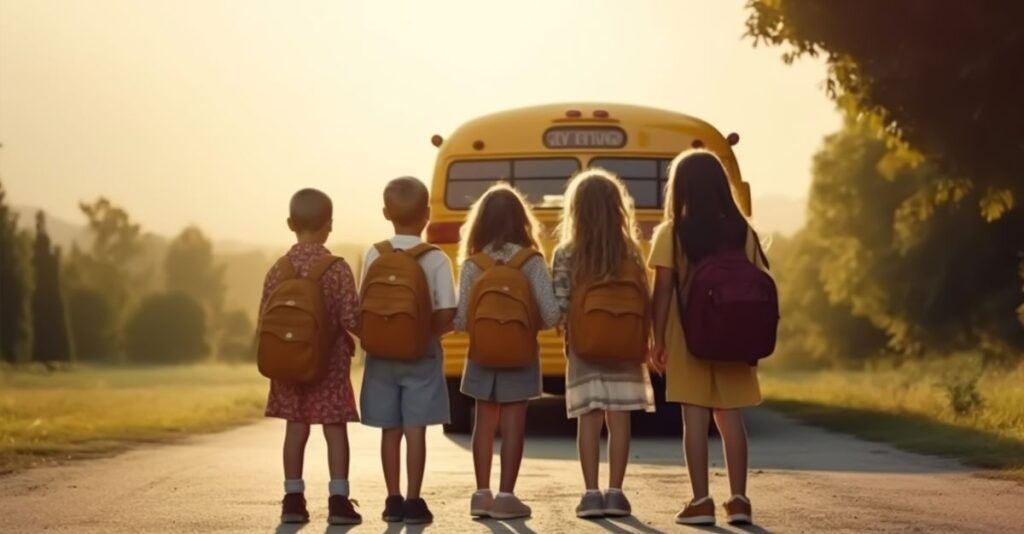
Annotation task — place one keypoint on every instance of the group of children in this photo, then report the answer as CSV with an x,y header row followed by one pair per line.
x,y
598,240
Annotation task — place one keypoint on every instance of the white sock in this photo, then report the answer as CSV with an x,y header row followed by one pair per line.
x,y
483,492
614,490
338,486
593,491
505,494
294,485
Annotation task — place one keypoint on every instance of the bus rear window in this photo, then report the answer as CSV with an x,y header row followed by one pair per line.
x,y
644,177
542,180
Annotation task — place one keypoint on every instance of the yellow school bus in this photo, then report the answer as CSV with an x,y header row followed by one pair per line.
x,y
537,149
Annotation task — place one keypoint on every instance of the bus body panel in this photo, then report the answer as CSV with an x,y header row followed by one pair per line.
x,y
520,135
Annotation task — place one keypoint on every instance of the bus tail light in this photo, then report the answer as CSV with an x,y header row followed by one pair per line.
x,y
443,233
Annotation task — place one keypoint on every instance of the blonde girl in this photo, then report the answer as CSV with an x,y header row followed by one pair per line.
x,y
500,224
597,235
701,218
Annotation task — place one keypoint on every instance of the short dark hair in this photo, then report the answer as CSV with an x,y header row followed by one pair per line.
x,y
309,210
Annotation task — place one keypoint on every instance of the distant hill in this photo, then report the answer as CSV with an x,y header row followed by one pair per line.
x,y
779,214
245,264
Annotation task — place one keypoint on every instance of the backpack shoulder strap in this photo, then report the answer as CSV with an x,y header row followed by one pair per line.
x,y
420,250
521,257
285,268
482,260
320,267
384,247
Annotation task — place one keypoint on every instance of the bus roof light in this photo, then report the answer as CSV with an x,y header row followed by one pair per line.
x,y
436,140
600,114
733,138
697,143
478,145
573,113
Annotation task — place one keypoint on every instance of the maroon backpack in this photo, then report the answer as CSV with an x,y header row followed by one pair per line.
x,y
732,309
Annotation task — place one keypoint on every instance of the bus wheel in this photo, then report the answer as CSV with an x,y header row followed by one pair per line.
x,y
461,408
665,421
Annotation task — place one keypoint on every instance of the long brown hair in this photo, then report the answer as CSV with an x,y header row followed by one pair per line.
x,y
701,206
500,216
598,225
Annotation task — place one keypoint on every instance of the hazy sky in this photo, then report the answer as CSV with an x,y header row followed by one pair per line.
x,y
214,112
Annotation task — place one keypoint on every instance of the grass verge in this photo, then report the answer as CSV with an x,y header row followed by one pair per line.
x,y
910,407
48,417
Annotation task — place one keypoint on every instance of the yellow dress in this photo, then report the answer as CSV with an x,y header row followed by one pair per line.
x,y
688,379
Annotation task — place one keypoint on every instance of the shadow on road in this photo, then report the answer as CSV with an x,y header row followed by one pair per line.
x,y
776,443
513,526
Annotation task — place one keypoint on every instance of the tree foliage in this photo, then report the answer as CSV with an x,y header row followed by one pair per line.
x,y
50,341
190,268
93,325
13,283
914,213
166,328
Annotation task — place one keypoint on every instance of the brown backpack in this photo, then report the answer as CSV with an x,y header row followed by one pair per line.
x,y
295,333
396,307
609,320
502,319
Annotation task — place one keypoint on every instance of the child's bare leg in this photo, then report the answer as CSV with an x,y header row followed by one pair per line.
x,y
588,445
487,417
734,442
513,433
415,458
295,436
337,450
619,436
391,459
695,445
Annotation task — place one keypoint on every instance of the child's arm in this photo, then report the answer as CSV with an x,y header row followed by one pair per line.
x,y
543,291
444,321
664,286
467,274
349,313
561,279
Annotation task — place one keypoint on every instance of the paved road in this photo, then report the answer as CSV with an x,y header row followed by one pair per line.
x,y
804,480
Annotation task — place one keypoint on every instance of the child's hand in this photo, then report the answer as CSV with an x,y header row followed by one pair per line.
x,y
657,358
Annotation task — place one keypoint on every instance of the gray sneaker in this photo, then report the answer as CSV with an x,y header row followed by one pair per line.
x,y
591,505
616,504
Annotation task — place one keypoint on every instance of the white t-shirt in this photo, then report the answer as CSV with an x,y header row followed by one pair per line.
x,y
436,266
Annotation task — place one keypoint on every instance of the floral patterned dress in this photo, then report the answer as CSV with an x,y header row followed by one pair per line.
x,y
331,400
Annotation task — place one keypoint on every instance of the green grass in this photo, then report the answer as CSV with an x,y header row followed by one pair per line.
x,y
47,417
909,407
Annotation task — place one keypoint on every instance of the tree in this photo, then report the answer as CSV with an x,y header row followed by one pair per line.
x,y
50,341
948,83
13,283
166,328
93,325
933,249
103,269
190,268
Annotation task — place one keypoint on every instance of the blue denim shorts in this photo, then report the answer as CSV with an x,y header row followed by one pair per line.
x,y
405,393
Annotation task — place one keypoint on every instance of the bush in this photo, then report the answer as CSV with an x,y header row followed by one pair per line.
x,y
961,388
237,341
166,328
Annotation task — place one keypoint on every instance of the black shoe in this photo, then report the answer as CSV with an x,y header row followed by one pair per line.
x,y
293,508
393,509
416,512
341,512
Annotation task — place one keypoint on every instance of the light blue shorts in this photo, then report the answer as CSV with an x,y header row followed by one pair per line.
x,y
405,393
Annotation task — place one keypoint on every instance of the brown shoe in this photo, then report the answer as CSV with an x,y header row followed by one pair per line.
x,y
700,512
738,510
509,507
341,512
293,508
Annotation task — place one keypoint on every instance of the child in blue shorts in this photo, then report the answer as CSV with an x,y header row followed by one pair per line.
x,y
403,397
